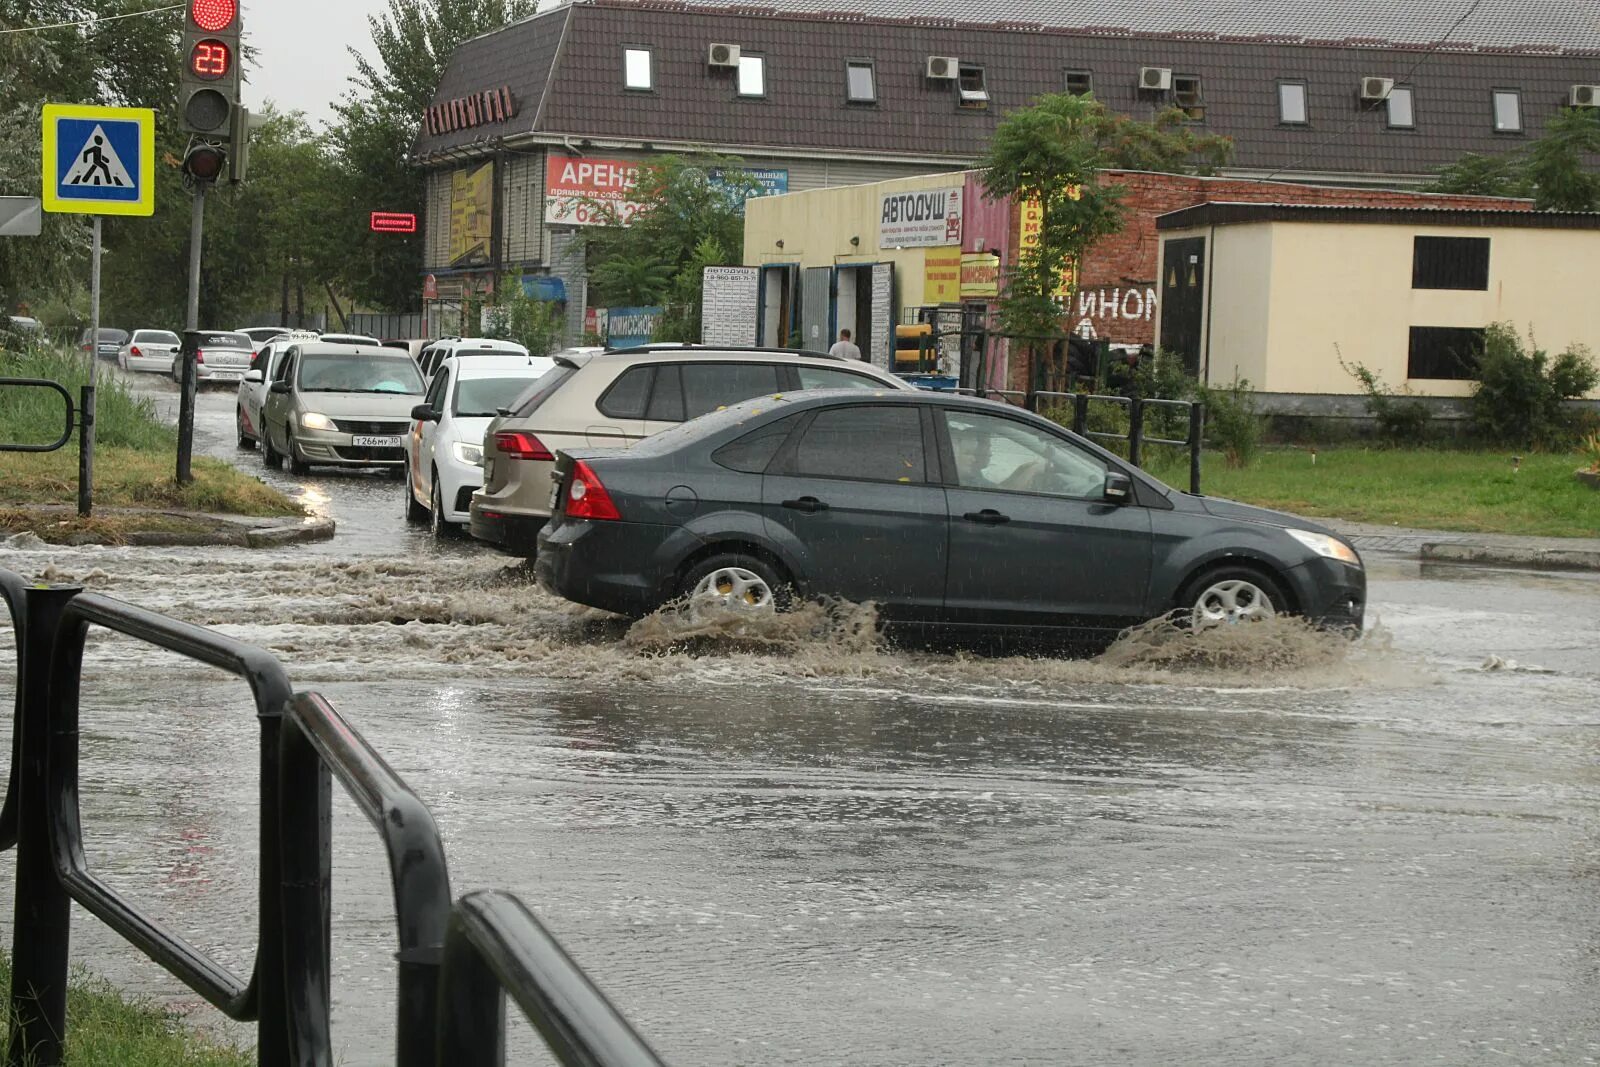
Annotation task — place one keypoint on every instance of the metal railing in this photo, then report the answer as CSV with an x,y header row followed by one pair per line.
x,y
80,418
456,961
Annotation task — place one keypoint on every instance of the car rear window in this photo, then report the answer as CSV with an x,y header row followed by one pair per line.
x,y
540,391
108,336
828,378
627,396
156,337
863,442
485,396
754,451
225,340
709,386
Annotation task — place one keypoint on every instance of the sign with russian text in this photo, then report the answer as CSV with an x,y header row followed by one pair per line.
x,y
941,275
980,274
393,222
920,220
589,191
465,112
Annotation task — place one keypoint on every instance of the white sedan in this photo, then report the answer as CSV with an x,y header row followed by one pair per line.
x,y
444,450
149,350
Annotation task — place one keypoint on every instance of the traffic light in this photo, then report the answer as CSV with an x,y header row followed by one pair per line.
x,y
208,86
204,161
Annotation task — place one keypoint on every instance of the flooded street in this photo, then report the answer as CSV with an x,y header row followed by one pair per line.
x,y
796,847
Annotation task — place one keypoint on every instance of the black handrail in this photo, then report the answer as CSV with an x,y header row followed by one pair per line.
x,y
496,945
66,397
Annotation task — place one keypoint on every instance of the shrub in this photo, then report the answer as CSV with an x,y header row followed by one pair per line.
x,y
1232,423
34,416
1399,421
1590,447
535,324
1517,399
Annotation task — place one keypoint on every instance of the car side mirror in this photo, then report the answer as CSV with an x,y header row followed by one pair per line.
x,y
1119,487
424,413
280,386
252,376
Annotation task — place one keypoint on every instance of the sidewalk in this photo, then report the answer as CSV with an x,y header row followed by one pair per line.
x,y
1450,546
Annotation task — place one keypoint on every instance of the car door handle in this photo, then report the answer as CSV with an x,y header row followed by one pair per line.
x,y
807,504
987,517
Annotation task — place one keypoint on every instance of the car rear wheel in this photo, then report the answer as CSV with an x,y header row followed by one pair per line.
x,y
245,440
296,464
415,512
736,581
269,455
1231,594
438,525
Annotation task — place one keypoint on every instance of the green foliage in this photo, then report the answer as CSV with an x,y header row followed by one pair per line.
x,y
1400,421
34,416
535,324
1231,420
628,279
1518,397
1589,446
1556,170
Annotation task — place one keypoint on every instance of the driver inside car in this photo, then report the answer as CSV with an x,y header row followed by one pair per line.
x,y
976,465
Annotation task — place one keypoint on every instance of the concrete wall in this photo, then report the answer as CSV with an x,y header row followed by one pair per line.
x,y
1289,298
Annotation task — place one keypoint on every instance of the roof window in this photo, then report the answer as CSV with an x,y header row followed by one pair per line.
x,y
1292,104
636,72
861,85
1402,109
1186,96
1507,111
970,87
1080,82
752,75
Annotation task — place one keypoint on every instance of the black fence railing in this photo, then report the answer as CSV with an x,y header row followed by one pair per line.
x,y
456,961
80,417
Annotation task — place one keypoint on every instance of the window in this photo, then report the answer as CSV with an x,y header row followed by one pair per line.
x,y
752,75
626,397
709,386
1507,111
826,378
1402,112
861,85
1448,352
1186,95
484,397
1450,263
1292,104
636,72
865,443
998,453
1079,82
752,452
666,396
970,86
435,397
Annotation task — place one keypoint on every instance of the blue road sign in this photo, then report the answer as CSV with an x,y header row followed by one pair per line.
x,y
99,160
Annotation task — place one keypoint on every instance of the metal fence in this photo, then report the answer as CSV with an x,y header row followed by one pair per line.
x,y
80,418
457,960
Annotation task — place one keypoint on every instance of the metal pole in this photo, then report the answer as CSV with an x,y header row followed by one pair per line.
x,y
86,451
94,300
1135,430
1196,431
42,919
197,215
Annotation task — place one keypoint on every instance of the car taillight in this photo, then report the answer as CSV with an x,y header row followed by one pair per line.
x,y
518,444
134,351
199,356
586,497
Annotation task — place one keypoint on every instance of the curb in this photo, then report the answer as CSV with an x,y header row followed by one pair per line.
x,y
236,531
300,533
1555,559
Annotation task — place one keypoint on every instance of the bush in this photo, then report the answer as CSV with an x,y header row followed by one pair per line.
x,y
1232,423
1399,421
1518,397
535,324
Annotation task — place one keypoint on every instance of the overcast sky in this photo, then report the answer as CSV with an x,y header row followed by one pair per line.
x,y
301,58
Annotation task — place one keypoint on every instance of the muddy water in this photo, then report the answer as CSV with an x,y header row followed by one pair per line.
x,y
792,845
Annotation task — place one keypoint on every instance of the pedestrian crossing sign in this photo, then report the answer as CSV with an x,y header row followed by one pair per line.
x,y
99,160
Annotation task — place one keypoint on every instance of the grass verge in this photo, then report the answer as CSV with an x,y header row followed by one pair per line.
x,y
107,1029
1475,492
124,477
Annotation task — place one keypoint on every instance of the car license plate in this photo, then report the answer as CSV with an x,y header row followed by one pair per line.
x,y
227,375
361,441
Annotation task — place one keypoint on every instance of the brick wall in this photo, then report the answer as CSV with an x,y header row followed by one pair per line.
x,y
1118,288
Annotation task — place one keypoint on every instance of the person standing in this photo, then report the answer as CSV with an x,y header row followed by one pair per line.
x,y
843,348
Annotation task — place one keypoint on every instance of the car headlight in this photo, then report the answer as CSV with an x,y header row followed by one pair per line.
x,y
469,453
315,420
1323,545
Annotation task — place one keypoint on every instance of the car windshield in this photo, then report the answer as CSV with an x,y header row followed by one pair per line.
x,y
156,337
485,396
358,374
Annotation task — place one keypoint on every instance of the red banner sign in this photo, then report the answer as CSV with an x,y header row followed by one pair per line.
x,y
394,222
464,112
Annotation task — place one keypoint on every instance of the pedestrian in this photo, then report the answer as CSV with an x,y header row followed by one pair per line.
x,y
844,348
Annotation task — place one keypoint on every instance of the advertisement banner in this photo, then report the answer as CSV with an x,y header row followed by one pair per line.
x,y
768,182
471,215
632,327
920,220
588,191
980,274
941,275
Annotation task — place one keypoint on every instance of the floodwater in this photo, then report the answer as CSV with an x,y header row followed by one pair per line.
x,y
791,845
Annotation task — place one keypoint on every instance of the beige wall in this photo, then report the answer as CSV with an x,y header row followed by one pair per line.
x,y
815,228
1288,298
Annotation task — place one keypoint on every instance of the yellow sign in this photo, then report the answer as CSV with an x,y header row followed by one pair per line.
x,y
1030,225
980,274
471,215
99,160
941,275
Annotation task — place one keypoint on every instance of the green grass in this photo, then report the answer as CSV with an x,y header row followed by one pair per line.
x,y
1476,492
107,1029
34,416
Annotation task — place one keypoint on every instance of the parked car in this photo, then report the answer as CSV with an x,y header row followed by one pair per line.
x,y
443,349
339,405
616,398
444,451
151,350
947,512
110,342
410,346
220,356
23,324
253,386
260,334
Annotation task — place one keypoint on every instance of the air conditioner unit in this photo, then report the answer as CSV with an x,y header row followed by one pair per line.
x,y
943,66
1156,78
722,55
1584,96
1376,88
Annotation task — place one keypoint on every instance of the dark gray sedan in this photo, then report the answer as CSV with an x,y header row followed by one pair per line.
x,y
945,511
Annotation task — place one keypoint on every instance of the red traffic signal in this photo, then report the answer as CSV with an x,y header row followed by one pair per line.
x,y
213,15
394,222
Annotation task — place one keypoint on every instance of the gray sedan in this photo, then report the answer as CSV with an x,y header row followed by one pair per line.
x,y
946,512
339,405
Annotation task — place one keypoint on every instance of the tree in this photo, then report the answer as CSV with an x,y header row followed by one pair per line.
x,y
516,316
630,279
1555,171
1048,157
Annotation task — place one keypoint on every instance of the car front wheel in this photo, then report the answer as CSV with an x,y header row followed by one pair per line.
x,y
296,464
1231,594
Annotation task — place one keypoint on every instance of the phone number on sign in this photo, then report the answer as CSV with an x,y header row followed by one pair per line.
x,y
589,212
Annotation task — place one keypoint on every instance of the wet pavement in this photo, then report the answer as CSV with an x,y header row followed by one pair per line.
x,y
794,846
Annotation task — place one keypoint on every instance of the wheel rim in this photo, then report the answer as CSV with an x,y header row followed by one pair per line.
x,y
436,512
735,587
1231,601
